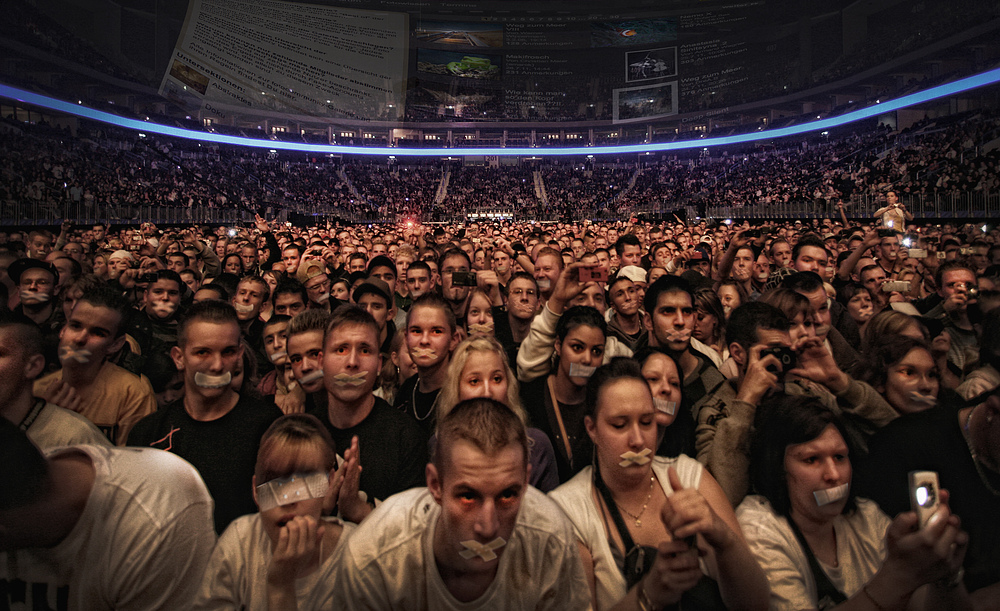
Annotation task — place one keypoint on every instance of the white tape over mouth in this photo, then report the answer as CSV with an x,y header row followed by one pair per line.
x,y
485,551
482,328
243,308
35,296
577,370
311,377
423,352
68,353
323,298
206,380
635,458
278,356
292,489
544,285
667,407
345,379
831,495
922,399
165,308
679,336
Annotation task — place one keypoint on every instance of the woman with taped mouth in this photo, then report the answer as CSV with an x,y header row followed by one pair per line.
x,y
554,402
820,545
653,531
903,371
281,557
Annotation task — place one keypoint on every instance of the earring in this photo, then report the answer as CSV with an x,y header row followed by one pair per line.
x,y
989,417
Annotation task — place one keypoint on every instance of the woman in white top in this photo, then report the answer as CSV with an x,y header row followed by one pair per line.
x,y
281,557
821,547
651,528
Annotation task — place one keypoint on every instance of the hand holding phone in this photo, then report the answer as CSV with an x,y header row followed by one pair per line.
x,y
924,495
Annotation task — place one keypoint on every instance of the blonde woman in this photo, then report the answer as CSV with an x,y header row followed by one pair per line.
x,y
479,368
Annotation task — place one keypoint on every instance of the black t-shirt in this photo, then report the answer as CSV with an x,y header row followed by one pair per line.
x,y
424,411
537,401
933,441
393,449
224,450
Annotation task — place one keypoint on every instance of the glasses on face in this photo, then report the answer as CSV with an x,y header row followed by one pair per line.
x,y
320,285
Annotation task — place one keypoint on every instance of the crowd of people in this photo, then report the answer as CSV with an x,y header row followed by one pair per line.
x,y
102,166
504,415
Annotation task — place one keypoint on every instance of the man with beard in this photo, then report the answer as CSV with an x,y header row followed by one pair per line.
x,y
211,425
314,278
111,397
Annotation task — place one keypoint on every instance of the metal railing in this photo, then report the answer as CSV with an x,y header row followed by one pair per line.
x,y
39,212
963,205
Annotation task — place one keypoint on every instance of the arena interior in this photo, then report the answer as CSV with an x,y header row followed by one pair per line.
x,y
500,304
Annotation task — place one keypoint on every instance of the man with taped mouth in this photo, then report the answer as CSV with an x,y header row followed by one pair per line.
x,y
46,424
155,325
305,355
477,537
384,450
251,294
111,397
211,425
670,318
36,281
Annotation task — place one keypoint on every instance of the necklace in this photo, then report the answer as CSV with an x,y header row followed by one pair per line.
x,y
413,398
636,517
967,435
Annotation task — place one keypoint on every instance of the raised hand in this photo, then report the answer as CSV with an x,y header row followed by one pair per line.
x,y
62,394
296,550
686,514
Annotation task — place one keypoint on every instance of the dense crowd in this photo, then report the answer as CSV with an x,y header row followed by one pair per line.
x,y
102,166
625,415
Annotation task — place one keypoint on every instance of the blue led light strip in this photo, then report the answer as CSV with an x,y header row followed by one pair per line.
x,y
979,80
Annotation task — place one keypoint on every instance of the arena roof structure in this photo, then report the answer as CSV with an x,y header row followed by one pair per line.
x,y
408,78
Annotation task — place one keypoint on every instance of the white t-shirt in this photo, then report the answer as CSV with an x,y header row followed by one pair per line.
x,y
576,500
860,552
236,577
142,541
55,426
388,561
